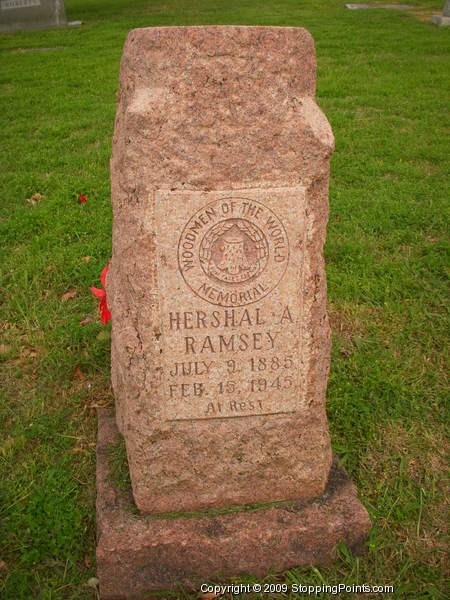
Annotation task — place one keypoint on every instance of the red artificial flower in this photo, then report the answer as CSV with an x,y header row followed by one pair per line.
x,y
103,309
82,199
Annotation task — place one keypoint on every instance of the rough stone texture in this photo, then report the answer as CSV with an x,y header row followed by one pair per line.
x,y
226,110
17,15
139,554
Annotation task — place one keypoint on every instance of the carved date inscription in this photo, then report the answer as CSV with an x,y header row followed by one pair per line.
x,y
230,268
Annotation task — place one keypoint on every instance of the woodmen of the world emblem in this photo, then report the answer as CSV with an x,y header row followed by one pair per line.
x,y
233,251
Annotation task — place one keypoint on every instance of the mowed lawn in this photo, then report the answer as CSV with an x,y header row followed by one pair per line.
x,y
383,82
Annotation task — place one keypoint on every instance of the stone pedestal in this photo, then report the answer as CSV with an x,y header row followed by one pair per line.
x,y
138,554
18,15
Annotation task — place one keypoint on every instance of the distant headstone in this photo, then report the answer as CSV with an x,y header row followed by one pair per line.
x,y
364,6
220,336
17,15
444,19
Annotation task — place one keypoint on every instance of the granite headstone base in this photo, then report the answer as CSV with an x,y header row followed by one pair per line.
x,y
138,554
444,19
440,20
364,6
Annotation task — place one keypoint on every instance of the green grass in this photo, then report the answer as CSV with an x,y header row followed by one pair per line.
x,y
383,84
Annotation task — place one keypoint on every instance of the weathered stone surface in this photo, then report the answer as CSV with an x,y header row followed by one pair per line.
x,y
139,554
207,116
17,15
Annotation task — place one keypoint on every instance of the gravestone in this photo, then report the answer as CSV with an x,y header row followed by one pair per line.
x,y
17,15
220,337
444,19
366,6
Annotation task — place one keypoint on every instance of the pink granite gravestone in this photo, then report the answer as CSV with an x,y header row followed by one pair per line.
x,y
220,337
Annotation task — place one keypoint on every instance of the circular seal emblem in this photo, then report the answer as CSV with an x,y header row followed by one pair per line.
x,y
233,251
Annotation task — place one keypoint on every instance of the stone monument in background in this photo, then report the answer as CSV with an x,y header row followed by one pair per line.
x,y
220,336
17,15
444,19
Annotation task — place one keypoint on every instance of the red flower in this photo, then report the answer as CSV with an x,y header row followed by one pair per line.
x,y
82,199
103,309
